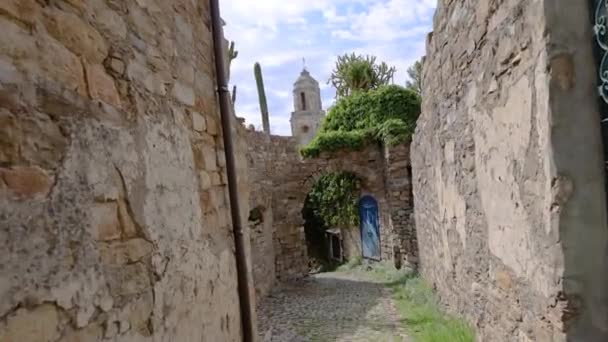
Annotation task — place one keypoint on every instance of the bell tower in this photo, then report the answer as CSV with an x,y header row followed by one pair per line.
x,y
308,111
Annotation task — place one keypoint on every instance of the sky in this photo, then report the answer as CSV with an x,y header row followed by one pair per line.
x,y
279,34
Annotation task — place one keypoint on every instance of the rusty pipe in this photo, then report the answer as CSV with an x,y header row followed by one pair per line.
x,y
245,300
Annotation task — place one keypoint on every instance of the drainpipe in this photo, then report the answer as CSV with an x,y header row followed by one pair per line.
x,y
237,226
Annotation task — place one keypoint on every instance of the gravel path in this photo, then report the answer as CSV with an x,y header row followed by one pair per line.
x,y
330,307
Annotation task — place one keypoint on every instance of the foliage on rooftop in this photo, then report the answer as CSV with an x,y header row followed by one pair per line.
x,y
386,115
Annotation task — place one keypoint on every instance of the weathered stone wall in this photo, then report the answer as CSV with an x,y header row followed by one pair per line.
x,y
508,178
397,170
261,169
114,220
282,180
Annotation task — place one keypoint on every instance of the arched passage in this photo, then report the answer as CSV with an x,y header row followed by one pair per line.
x,y
330,212
382,172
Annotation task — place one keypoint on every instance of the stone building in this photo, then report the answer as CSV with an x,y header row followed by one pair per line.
x,y
281,181
509,188
308,110
114,218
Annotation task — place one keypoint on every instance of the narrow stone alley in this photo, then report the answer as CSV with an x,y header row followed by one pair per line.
x,y
335,306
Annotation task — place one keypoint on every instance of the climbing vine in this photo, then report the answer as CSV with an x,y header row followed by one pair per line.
x,y
387,114
334,197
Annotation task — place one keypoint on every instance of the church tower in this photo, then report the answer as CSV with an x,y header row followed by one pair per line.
x,y
308,111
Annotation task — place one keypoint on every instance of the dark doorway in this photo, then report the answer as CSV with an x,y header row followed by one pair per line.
x,y
316,239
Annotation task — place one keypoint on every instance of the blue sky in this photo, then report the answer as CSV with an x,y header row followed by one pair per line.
x,y
280,33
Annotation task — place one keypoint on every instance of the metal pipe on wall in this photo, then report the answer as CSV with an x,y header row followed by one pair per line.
x,y
245,299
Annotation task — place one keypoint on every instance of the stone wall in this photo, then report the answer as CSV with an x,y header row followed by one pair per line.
x,y
113,202
261,170
397,172
508,177
282,180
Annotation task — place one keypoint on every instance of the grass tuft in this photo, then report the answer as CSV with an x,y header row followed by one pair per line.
x,y
421,313
417,305
351,264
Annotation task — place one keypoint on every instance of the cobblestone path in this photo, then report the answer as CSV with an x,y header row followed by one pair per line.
x,y
330,307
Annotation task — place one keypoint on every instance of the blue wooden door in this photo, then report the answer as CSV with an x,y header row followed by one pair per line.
x,y
370,230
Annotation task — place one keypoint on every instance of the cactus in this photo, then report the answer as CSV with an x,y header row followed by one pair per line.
x,y
232,53
257,70
233,95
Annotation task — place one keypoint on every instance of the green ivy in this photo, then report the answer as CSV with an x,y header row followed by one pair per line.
x,y
387,114
337,140
334,199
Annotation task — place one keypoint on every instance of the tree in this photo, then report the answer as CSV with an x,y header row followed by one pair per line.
x,y
359,73
415,74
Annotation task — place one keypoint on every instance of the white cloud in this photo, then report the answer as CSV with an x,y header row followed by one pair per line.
x,y
279,33
390,20
283,94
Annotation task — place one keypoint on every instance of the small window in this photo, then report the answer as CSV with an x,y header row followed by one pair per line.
x,y
256,215
305,129
303,99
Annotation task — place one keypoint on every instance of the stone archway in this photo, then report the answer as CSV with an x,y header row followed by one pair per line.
x,y
295,184
281,175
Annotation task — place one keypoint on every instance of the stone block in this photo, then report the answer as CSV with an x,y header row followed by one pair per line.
x,y
217,196
125,280
125,252
158,62
25,11
101,85
40,324
503,279
58,63
9,74
154,82
185,73
116,65
45,145
221,158
77,35
92,332
211,220
198,122
111,22
183,94
9,137
142,22
15,41
216,179
138,313
212,125
104,221
26,181
78,4
209,158
184,36
205,180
